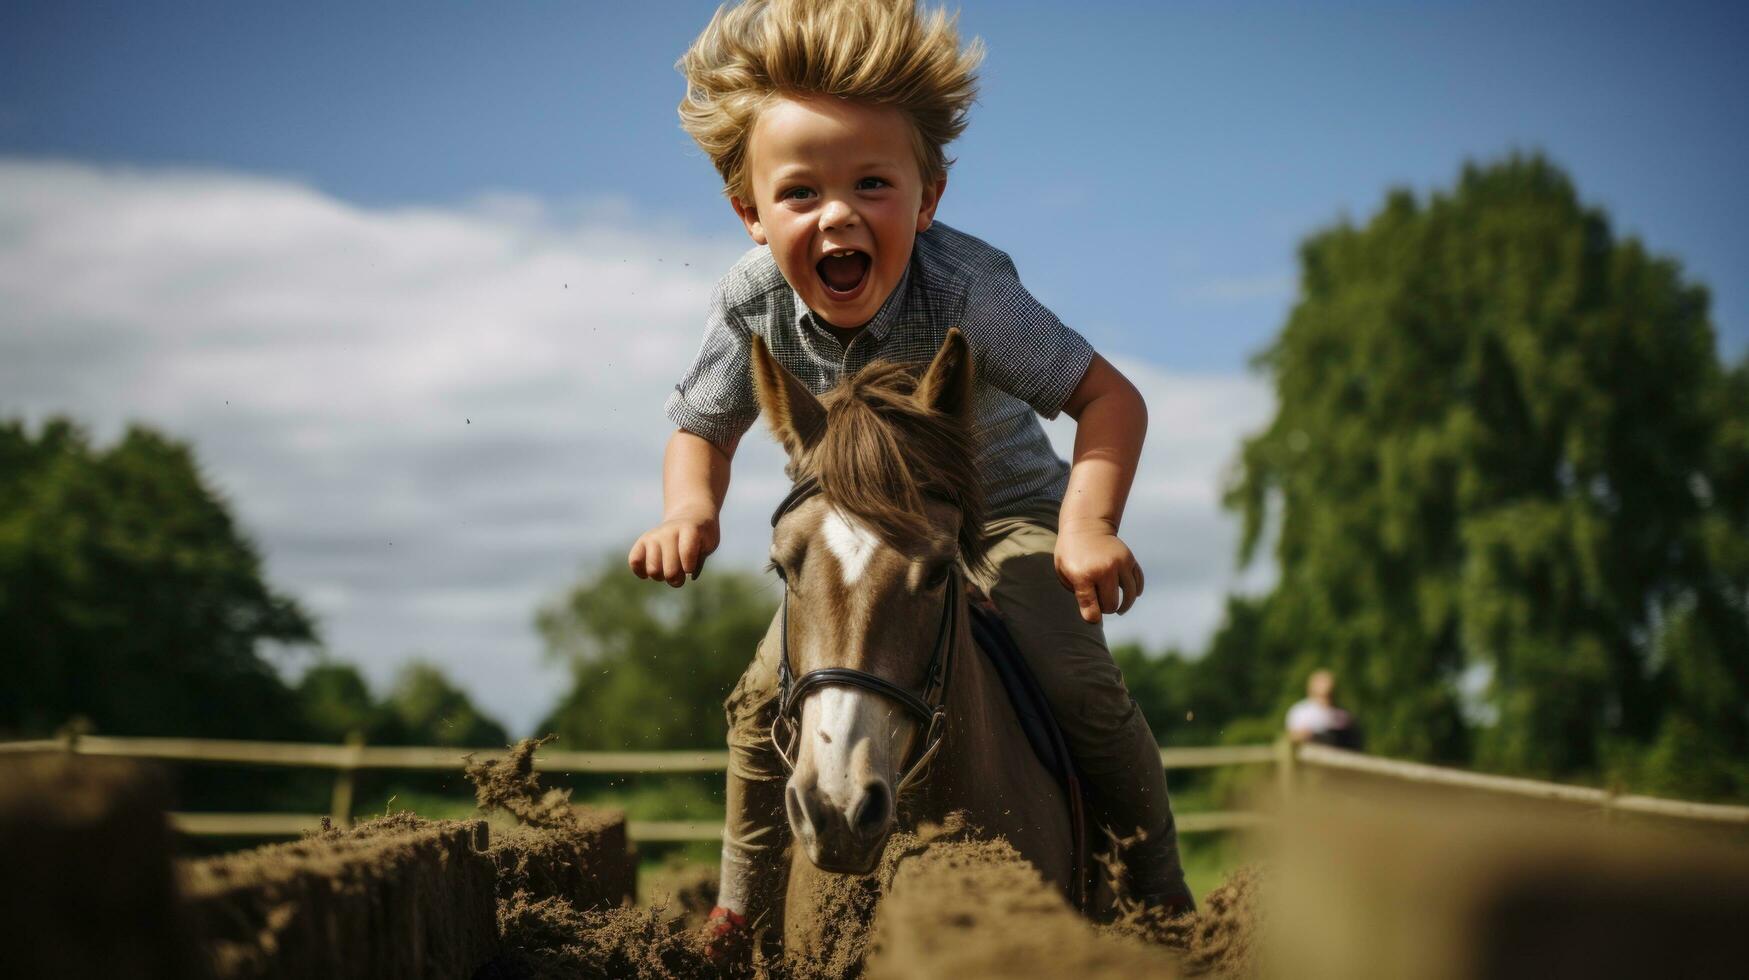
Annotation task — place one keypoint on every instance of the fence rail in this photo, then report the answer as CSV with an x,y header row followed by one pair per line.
x,y
351,758
348,759
1415,772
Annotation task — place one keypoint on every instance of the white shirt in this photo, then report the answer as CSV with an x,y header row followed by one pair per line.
x,y
1315,717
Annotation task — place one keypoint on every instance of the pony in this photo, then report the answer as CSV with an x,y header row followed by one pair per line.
x,y
888,717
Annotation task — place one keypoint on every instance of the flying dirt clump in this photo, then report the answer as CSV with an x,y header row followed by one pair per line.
x,y
509,784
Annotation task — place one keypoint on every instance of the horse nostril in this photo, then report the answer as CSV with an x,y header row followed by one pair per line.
x,y
873,809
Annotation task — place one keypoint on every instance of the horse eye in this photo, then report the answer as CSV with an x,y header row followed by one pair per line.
x,y
776,569
937,577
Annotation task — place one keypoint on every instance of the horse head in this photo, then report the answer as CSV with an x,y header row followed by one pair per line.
x,y
887,507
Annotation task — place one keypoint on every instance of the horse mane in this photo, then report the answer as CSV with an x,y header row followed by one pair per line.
x,y
882,452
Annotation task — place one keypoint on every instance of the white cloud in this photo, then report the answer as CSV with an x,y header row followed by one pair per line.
x,y
1174,522
432,418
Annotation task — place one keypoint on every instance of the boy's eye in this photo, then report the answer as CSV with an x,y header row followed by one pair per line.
x,y
797,194
870,183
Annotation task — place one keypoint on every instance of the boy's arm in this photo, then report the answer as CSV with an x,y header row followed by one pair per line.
x,y
1111,421
695,479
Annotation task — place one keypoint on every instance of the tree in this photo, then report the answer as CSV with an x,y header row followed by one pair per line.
x,y
1239,681
422,708
651,666
129,596
335,702
429,710
1504,438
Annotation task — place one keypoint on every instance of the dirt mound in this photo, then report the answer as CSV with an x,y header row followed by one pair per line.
x,y
1219,940
550,939
579,854
562,877
86,888
688,889
399,896
589,866
958,907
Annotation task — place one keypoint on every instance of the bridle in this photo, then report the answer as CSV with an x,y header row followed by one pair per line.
x,y
930,709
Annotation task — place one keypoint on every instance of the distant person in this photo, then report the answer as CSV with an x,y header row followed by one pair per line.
x,y
1317,719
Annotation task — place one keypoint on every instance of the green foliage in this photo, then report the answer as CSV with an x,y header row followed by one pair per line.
x,y
428,710
422,708
1199,701
651,665
335,702
1503,438
128,596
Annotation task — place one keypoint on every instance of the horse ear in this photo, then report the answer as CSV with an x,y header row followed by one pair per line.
x,y
947,385
796,416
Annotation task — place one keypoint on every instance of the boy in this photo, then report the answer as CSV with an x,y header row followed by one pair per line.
x,y
827,120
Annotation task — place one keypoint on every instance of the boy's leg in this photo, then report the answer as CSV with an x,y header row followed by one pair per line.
x,y
755,831
1105,731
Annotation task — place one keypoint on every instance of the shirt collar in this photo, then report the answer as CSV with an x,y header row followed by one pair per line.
x,y
807,323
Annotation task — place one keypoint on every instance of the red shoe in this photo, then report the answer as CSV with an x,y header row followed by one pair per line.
x,y
728,941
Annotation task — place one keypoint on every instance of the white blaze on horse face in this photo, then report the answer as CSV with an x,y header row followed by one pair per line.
x,y
850,736
851,542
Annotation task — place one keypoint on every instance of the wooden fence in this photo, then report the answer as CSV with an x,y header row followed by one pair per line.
x,y
1602,800
349,759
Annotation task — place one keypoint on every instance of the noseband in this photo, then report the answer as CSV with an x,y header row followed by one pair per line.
x,y
930,709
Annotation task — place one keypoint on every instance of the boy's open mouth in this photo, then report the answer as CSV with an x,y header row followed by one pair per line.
x,y
843,272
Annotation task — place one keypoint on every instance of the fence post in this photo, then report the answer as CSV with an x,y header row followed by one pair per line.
x,y
1285,761
76,728
340,808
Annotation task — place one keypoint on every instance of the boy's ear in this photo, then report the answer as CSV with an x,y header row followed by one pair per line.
x,y
749,216
947,385
932,191
796,417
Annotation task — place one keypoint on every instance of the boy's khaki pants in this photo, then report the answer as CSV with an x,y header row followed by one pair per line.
x,y
1105,731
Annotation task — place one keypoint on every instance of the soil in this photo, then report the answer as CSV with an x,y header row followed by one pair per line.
x,y
510,784
686,888
397,896
549,939
405,896
579,854
958,907
1220,940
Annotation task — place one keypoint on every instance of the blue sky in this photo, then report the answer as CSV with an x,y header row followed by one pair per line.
x,y
1150,166
414,278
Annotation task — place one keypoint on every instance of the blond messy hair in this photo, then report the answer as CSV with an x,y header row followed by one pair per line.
x,y
883,52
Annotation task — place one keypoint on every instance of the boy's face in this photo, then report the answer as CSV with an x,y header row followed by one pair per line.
x,y
839,197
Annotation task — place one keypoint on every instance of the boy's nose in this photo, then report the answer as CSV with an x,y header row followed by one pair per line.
x,y
837,214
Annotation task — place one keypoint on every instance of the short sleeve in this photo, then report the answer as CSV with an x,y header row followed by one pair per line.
x,y
714,399
1297,720
1020,345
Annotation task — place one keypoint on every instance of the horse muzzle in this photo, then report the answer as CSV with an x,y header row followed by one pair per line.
x,y
841,835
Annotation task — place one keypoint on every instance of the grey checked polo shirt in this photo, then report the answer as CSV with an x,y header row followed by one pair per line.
x,y
1027,362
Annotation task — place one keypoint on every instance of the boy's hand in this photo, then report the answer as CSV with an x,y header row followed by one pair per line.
x,y
1097,566
675,548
